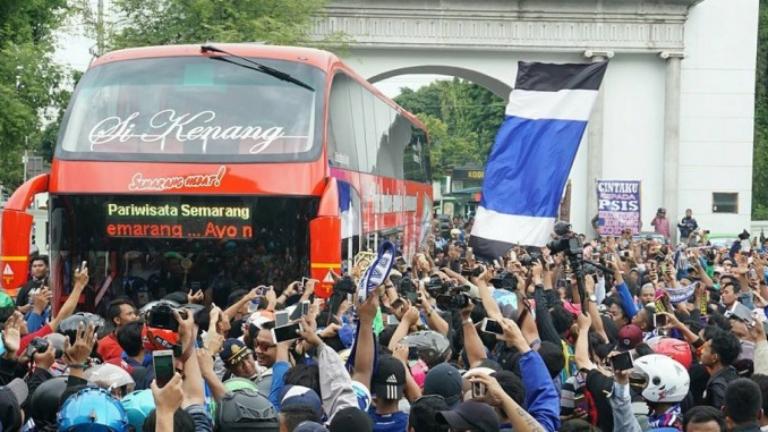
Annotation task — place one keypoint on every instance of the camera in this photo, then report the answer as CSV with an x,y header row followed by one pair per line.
x,y
162,316
448,301
504,280
436,286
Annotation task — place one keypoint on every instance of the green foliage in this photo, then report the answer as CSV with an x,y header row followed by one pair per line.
x,y
31,93
462,119
760,159
160,22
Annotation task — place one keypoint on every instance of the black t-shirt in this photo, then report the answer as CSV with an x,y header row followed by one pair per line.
x,y
600,386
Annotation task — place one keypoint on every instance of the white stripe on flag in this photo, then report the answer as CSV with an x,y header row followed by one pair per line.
x,y
559,105
513,229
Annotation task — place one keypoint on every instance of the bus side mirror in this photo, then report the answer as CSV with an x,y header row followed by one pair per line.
x,y
15,227
324,252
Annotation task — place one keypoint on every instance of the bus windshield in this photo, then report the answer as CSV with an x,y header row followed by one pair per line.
x,y
194,109
148,246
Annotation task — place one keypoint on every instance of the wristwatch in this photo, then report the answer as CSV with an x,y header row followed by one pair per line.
x,y
592,298
468,321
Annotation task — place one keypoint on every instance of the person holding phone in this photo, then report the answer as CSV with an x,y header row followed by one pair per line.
x,y
39,278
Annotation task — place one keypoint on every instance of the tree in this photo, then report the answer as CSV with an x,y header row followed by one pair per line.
x,y
462,119
760,157
31,84
162,22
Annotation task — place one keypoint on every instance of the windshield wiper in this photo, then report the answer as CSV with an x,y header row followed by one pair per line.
x,y
256,66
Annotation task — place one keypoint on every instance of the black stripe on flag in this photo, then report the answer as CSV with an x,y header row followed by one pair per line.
x,y
487,249
550,77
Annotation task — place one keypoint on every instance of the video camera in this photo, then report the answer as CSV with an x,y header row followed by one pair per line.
x,y
567,242
455,298
504,280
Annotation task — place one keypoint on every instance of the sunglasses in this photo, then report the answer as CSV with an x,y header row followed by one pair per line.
x,y
264,345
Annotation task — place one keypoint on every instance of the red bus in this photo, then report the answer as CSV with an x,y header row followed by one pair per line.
x,y
185,167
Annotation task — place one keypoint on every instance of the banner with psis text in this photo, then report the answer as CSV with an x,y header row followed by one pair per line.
x,y
618,206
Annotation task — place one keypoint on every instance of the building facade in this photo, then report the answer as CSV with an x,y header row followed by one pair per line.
x,y
676,110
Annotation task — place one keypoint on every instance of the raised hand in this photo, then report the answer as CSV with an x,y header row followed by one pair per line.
x,y
78,353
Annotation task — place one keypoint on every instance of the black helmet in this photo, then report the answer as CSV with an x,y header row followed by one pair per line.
x,y
68,326
43,404
428,345
147,307
246,410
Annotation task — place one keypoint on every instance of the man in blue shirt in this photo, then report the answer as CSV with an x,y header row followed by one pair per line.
x,y
388,383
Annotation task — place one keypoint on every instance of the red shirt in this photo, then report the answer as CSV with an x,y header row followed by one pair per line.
x,y
109,348
26,339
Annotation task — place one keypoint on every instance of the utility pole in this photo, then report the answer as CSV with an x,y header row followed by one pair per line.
x,y
99,28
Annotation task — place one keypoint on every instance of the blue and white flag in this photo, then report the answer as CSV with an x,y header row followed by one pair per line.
x,y
349,206
533,154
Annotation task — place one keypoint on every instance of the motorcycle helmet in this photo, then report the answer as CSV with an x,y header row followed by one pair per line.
x,y
92,409
147,307
235,384
675,349
138,405
428,345
68,326
6,300
660,379
246,410
44,401
159,339
109,376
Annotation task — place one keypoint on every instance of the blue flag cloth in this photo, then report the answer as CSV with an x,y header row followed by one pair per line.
x,y
533,153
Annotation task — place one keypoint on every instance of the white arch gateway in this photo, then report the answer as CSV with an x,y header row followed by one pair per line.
x,y
677,106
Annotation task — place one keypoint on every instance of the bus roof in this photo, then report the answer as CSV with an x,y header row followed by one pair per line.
x,y
315,57
320,59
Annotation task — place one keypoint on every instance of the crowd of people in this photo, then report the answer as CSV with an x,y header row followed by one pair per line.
x,y
627,335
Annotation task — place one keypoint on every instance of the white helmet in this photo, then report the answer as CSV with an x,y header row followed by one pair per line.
x,y
109,376
662,379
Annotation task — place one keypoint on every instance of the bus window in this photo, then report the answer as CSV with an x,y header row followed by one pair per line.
x,y
146,247
342,147
189,109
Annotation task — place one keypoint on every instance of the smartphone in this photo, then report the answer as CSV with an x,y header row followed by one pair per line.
x,y
303,284
281,318
392,320
162,362
286,333
622,361
478,390
491,326
660,320
580,402
83,265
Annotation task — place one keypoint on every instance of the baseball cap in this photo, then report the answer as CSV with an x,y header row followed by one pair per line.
x,y
444,380
12,397
234,351
310,426
296,395
351,419
389,379
629,336
470,415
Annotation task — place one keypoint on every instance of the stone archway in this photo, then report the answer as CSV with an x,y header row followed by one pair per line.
x,y
495,86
